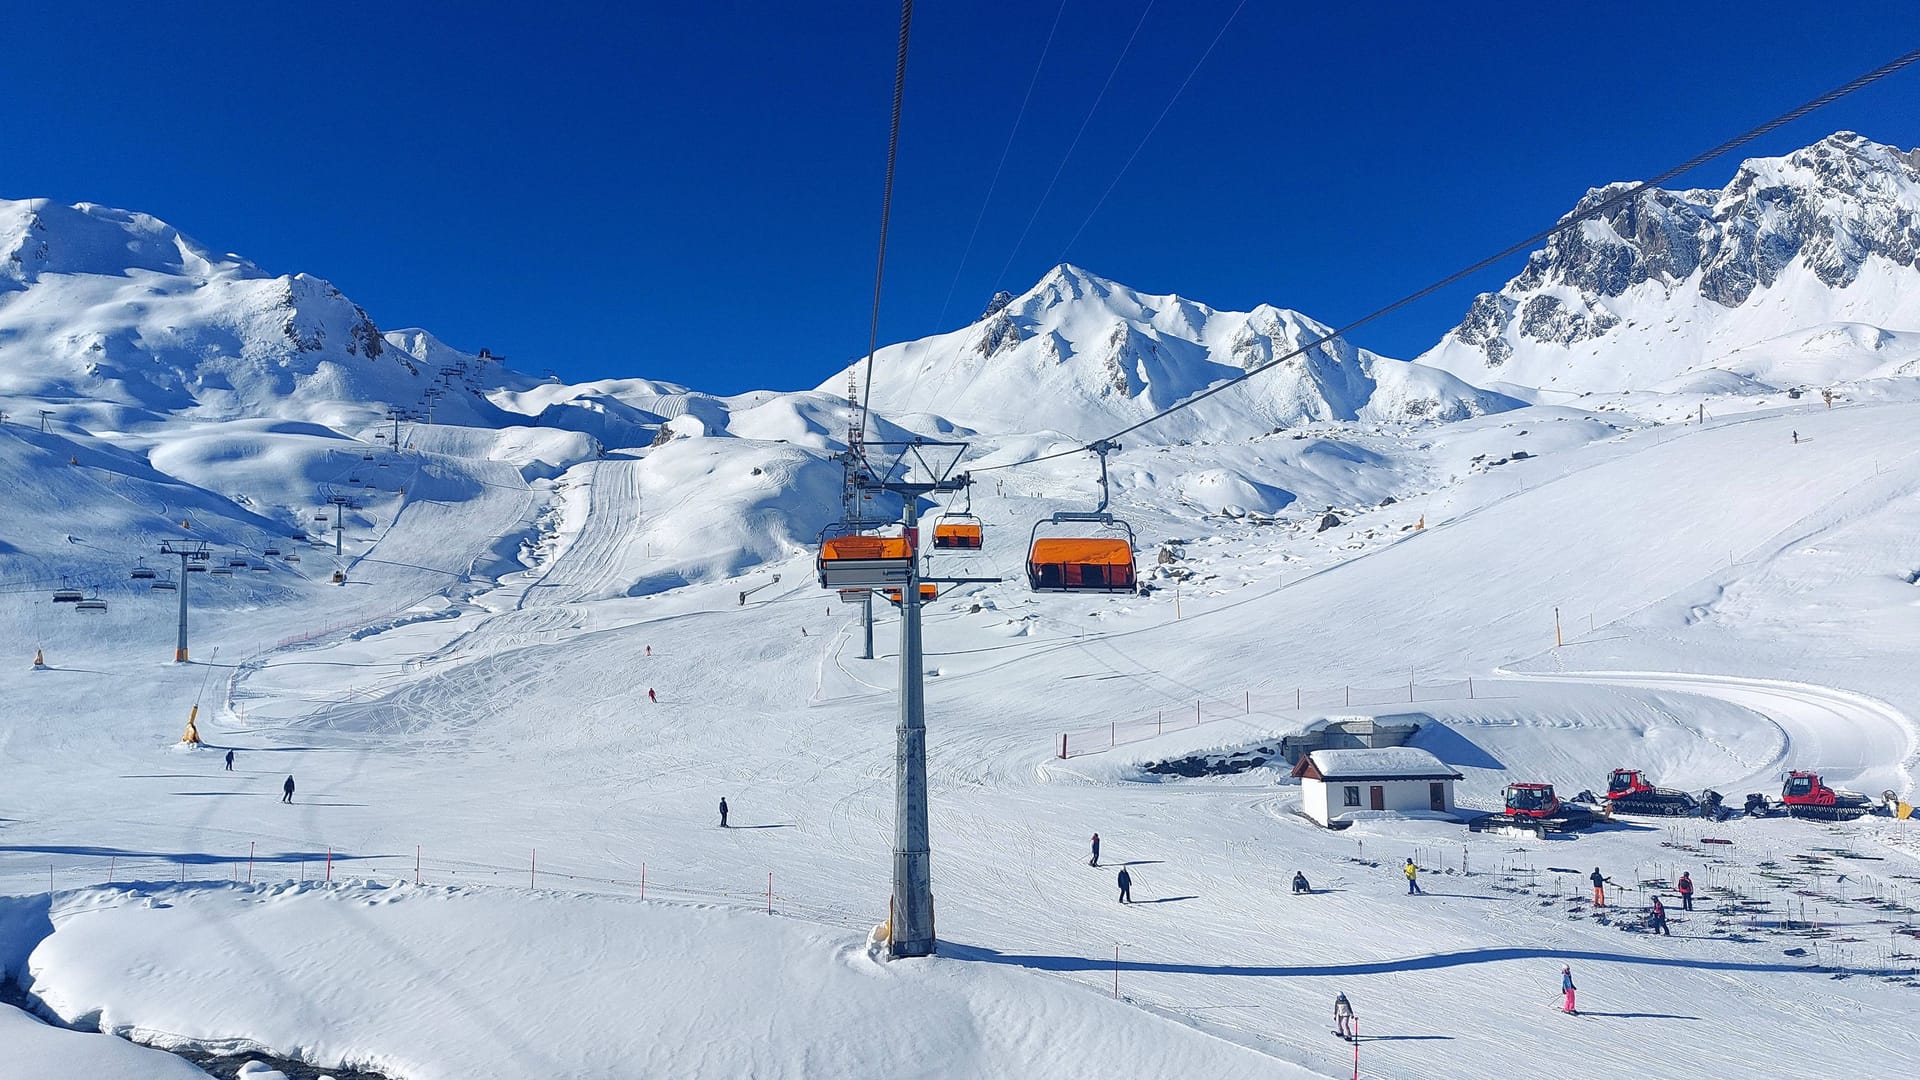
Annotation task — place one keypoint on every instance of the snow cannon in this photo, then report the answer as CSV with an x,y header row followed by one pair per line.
x,y
1806,795
39,660
1629,792
191,737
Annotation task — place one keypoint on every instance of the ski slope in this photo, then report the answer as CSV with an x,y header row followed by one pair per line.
x,y
499,724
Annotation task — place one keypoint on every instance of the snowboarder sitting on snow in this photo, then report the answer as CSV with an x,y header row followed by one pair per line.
x,y
1599,887
1126,886
1657,918
1343,1017
1300,886
1686,891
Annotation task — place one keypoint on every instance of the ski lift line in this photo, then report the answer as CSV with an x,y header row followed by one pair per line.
x,y
994,184
886,203
1570,222
1064,158
1144,139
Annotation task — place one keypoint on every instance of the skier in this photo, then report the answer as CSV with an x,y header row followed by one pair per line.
x,y
803,631
649,650
1686,891
1343,1018
1095,861
1796,438
1599,887
651,696
1566,988
287,790
1413,878
1300,886
723,812
1657,918
1126,886
229,761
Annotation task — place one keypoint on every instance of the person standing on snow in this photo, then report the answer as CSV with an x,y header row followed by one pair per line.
x,y
229,761
1126,886
1599,887
723,812
1686,892
287,790
1566,988
1095,861
1343,1018
1657,918
1413,878
651,696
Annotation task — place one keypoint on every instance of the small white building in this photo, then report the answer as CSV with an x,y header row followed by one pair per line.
x,y
1338,785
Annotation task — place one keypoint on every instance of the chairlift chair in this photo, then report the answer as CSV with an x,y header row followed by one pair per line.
x,y
226,570
958,529
271,552
293,556
196,568
92,605
854,560
927,593
1091,551
66,595
164,585
142,572
237,560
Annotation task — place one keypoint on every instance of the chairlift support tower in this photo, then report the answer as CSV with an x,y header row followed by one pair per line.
x,y
911,918
188,550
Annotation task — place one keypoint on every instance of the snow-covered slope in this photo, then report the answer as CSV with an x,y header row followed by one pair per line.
x,y
1081,355
1674,280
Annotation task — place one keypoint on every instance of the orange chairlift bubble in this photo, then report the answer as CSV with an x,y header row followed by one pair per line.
x,y
855,560
1083,552
959,530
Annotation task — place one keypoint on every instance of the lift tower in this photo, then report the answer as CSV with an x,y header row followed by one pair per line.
x,y
909,470
189,551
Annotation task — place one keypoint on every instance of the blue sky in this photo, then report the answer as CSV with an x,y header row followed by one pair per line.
x,y
691,192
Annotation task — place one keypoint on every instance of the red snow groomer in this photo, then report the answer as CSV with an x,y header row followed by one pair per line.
x,y
1628,792
1533,808
1805,795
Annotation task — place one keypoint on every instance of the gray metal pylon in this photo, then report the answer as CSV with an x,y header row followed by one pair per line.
x,y
912,923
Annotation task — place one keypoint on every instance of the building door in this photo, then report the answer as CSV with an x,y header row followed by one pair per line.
x,y
1437,796
1379,797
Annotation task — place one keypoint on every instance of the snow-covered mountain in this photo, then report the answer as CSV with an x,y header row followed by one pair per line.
x,y
1080,354
1673,281
114,319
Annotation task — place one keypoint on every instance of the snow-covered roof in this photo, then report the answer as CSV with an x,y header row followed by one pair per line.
x,y
1386,763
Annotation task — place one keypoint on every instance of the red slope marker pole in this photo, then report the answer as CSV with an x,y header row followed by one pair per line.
x,y
249,862
1356,1048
